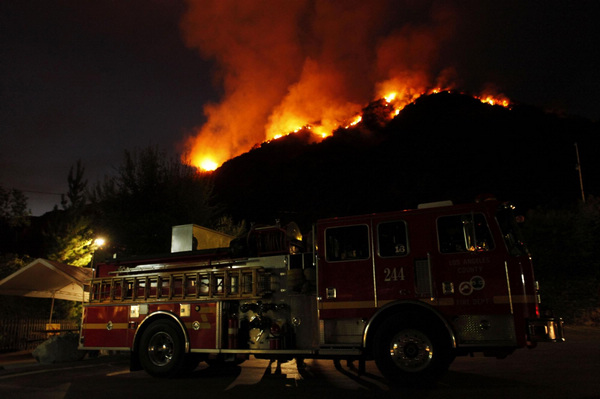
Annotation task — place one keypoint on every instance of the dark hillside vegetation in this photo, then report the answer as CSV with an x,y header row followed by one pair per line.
x,y
443,146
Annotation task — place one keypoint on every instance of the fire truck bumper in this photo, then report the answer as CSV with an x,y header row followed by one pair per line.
x,y
545,330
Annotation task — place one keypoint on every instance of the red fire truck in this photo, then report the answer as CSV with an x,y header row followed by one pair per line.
x,y
410,289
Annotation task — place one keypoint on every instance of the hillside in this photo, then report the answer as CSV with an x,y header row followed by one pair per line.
x,y
443,146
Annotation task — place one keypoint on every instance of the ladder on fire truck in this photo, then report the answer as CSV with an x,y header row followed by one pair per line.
x,y
227,283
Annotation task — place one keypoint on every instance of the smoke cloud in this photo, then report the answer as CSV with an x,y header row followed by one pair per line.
x,y
282,65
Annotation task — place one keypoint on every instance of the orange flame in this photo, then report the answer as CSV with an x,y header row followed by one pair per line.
x,y
494,100
208,164
357,119
304,64
310,66
211,159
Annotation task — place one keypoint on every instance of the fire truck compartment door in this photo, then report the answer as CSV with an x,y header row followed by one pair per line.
x,y
346,272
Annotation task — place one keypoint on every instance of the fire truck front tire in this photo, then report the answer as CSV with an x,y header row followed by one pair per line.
x,y
410,351
161,351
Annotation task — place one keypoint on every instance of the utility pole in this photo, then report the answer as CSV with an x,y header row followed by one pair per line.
x,y
578,167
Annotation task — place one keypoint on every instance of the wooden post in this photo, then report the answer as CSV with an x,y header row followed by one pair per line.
x,y
52,307
579,170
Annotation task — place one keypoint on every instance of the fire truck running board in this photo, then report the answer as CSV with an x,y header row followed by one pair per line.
x,y
295,352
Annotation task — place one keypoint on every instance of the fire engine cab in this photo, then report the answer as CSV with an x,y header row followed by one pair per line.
x,y
410,289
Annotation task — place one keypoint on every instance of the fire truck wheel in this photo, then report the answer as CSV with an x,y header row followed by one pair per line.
x,y
162,349
410,352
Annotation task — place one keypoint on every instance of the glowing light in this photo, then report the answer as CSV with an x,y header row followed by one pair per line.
x,y
99,242
354,122
494,100
390,97
208,165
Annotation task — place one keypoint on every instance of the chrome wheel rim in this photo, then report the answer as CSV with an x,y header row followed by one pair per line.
x,y
161,348
411,350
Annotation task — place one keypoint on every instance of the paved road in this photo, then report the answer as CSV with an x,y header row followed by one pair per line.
x,y
568,370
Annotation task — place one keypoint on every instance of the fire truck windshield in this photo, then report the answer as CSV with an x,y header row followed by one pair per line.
x,y
464,233
511,231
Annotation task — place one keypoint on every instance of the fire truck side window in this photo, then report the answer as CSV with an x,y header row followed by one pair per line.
x,y
391,237
347,243
464,233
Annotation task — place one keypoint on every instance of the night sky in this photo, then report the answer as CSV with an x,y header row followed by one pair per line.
x,y
88,79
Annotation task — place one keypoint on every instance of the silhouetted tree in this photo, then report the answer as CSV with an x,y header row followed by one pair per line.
x,y
13,208
14,217
69,233
150,193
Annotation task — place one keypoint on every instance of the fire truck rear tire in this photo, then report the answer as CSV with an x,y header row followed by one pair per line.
x,y
409,351
162,352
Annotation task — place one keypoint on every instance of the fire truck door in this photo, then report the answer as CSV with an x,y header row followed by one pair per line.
x,y
393,264
468,266
346,272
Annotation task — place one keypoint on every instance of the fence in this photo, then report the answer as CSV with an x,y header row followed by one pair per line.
x,y
23,334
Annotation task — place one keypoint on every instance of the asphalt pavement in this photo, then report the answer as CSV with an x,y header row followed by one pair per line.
x,y
562,370
19,361
14,360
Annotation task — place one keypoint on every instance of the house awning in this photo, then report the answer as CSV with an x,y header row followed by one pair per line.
x,y
44,278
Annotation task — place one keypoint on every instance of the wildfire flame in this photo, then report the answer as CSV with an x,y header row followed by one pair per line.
x,y
208,162
311,66
357,119
492,100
